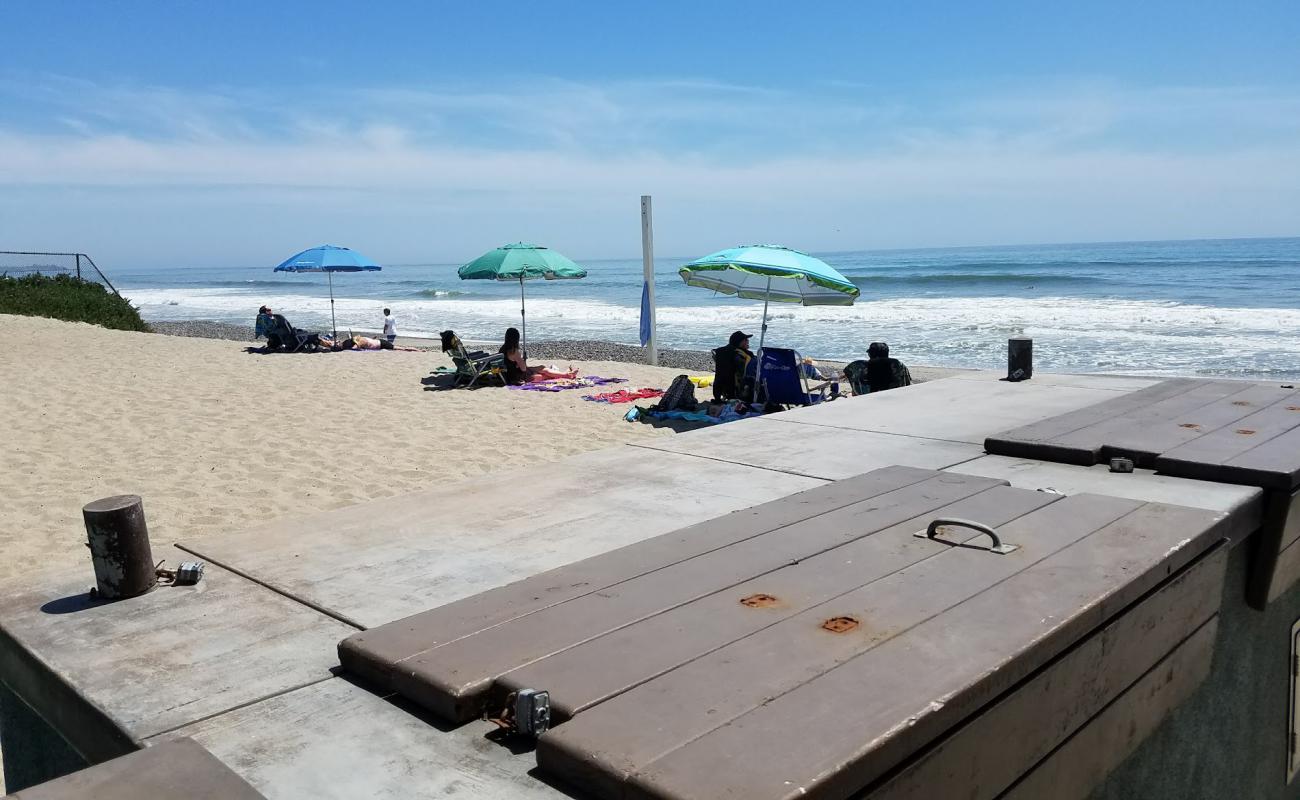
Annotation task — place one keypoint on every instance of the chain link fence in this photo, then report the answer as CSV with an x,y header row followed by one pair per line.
x,y
19,263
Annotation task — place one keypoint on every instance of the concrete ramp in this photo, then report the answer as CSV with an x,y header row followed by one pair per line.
x,y
379,561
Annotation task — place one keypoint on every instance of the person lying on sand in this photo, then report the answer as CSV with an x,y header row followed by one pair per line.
x,y
517,369
367,343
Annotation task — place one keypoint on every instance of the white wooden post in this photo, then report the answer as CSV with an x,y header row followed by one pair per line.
x,y
648,266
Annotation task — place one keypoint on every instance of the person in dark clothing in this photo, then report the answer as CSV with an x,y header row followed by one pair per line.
x,y
884,372
266,325
517,369
516,366
731,365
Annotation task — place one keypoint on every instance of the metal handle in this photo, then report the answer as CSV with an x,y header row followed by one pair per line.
x,y
998,547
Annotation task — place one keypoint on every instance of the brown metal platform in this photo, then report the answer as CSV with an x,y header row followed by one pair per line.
x,y
381,654
1223,431
812,646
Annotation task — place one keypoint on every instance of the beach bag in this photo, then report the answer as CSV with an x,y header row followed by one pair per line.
x,y
679,397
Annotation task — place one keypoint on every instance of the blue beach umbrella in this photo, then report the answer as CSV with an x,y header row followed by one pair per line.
x,y
329,259
773,274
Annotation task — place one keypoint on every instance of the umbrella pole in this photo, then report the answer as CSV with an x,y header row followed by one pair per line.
x,y
523,321
762,334
334,322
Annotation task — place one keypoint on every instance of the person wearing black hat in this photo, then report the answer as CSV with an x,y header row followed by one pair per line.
x,y
731,363
884,372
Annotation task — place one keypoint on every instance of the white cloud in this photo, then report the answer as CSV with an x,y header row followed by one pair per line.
x,y
432,173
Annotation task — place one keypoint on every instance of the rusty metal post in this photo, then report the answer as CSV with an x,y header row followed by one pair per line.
x,y
78,266
1020,358
119,546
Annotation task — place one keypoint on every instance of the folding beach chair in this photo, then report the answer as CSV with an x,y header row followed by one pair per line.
x,y
877,375
283,334
476,364
733,374
855,373
782,381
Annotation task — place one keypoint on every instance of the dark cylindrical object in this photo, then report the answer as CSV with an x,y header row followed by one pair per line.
x,y
1020,358
119,546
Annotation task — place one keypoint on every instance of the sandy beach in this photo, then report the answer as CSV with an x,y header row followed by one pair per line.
x,y
215,438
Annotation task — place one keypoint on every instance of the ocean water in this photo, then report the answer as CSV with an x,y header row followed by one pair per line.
x,y
1210,307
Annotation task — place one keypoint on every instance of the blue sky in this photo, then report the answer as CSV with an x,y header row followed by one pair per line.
x,y
213,133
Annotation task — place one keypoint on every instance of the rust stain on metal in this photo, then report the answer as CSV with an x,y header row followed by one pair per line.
x,y
1245,431
1192,425
759,600
840,624
1293,408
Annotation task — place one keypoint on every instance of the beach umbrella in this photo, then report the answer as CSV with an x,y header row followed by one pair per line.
x,y
773,274
521,262
329,259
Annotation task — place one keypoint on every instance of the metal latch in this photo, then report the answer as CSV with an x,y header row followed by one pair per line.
x,y
187,574
527,711
998,547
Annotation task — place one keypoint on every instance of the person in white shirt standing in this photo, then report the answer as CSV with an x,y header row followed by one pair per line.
x,y
390,326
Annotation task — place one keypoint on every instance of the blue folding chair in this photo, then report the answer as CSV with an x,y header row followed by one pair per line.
x,y
781,381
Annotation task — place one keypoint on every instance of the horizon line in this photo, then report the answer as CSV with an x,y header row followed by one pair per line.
x,y
914,249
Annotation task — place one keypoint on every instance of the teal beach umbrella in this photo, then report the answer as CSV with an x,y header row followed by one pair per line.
x,y
328,259
521,262
773,274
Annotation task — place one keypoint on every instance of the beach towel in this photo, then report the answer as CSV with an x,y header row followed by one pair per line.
x,y
727,414
561,384
623,396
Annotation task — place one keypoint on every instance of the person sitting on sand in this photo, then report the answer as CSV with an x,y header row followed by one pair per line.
x,y
264,324
517,369
731,364
884,372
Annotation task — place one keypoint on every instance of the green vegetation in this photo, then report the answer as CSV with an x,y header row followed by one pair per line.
x,y
68,298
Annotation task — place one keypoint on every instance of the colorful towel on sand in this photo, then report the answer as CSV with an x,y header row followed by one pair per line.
x,y
710,414
623,396
727,415
561,384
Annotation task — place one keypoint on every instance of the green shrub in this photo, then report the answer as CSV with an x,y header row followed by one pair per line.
x,y
68,298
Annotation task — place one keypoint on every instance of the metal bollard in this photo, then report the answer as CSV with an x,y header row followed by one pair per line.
x,y
1020,358
119,546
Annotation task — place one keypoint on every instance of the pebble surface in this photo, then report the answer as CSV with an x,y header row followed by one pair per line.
x,y
205,330
558,349
588,350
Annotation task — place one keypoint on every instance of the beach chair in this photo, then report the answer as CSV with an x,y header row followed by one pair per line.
x,y
284,335
472,365
855,373
781,380
733,374
876,375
